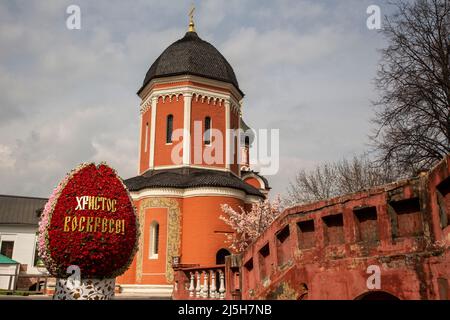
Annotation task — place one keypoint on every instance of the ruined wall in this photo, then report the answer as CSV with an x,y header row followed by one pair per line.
x,y
322,250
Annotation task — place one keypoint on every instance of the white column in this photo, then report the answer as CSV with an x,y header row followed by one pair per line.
x,y
205,288
198,288
222,285
140,144
187,97
191,285
227,134
153,132
212,291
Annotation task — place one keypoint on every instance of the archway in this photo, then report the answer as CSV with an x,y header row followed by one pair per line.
x,y
34,286
220,256
303,294
376,295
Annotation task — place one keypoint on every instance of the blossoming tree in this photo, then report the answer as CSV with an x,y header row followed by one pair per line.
x,y
248,225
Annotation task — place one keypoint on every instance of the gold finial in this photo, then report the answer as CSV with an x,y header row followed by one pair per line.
x,y
191,20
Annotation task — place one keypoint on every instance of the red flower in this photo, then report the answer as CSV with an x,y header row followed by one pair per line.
x,y
88,237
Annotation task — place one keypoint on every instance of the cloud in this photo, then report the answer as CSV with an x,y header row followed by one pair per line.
x,y
6,160
70,96
275,47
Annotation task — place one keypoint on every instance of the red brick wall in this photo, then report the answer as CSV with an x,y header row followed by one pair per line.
x,y
163,150
155,266
398,227
203,233
201,110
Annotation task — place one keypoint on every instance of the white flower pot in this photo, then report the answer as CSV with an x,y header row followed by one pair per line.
x,y
85,289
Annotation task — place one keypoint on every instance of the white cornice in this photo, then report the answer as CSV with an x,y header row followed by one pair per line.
x,y
199,94
189,166
202,80
206,167
193,192
207,95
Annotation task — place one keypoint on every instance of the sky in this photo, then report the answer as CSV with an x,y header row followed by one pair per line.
x,y
307,68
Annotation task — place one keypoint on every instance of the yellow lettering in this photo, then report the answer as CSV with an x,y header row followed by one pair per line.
x,y
74,224
97,205
80,224
103,203
104,225
93,224
108,204
113,205
118,226
97,223
89,224
66,223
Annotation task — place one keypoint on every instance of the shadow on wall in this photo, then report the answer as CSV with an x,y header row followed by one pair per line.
x,y
220,256
376,295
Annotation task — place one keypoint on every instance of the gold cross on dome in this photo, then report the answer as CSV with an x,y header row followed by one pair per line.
x,y
191,19
191,13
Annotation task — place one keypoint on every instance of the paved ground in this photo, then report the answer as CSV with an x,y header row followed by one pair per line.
x,y
32,297
42,297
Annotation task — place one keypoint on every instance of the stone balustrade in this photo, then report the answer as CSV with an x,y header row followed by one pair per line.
x,y
200,283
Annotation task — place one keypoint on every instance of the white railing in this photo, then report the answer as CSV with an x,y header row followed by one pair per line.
x,y
207,284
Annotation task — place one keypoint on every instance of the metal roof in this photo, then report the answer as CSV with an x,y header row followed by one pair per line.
x,y
6,260
189,178
193,56
20,210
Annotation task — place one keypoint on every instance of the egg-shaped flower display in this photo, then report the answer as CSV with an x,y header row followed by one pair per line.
x,y
90,222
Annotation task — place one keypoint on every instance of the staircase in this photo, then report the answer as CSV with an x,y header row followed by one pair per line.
x,y
146,290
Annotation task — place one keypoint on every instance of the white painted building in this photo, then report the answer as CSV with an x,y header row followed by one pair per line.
x,y
8,273
19,218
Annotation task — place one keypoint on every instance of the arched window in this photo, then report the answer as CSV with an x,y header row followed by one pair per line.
x,y
169,128
146,137
247,141
207,130
154,240
377,295
220,256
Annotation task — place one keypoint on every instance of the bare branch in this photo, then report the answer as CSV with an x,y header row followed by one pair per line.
x,y
413,113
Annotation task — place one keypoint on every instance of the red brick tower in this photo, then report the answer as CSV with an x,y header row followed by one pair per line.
x,y
190,101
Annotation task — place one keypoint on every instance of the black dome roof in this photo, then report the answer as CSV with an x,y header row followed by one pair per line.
x,y
194,56
183,178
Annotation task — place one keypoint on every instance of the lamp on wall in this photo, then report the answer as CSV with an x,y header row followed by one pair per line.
x,y
175,261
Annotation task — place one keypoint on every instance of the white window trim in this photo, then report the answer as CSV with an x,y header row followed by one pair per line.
x,y
210,132
9,238
147,133
152,255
